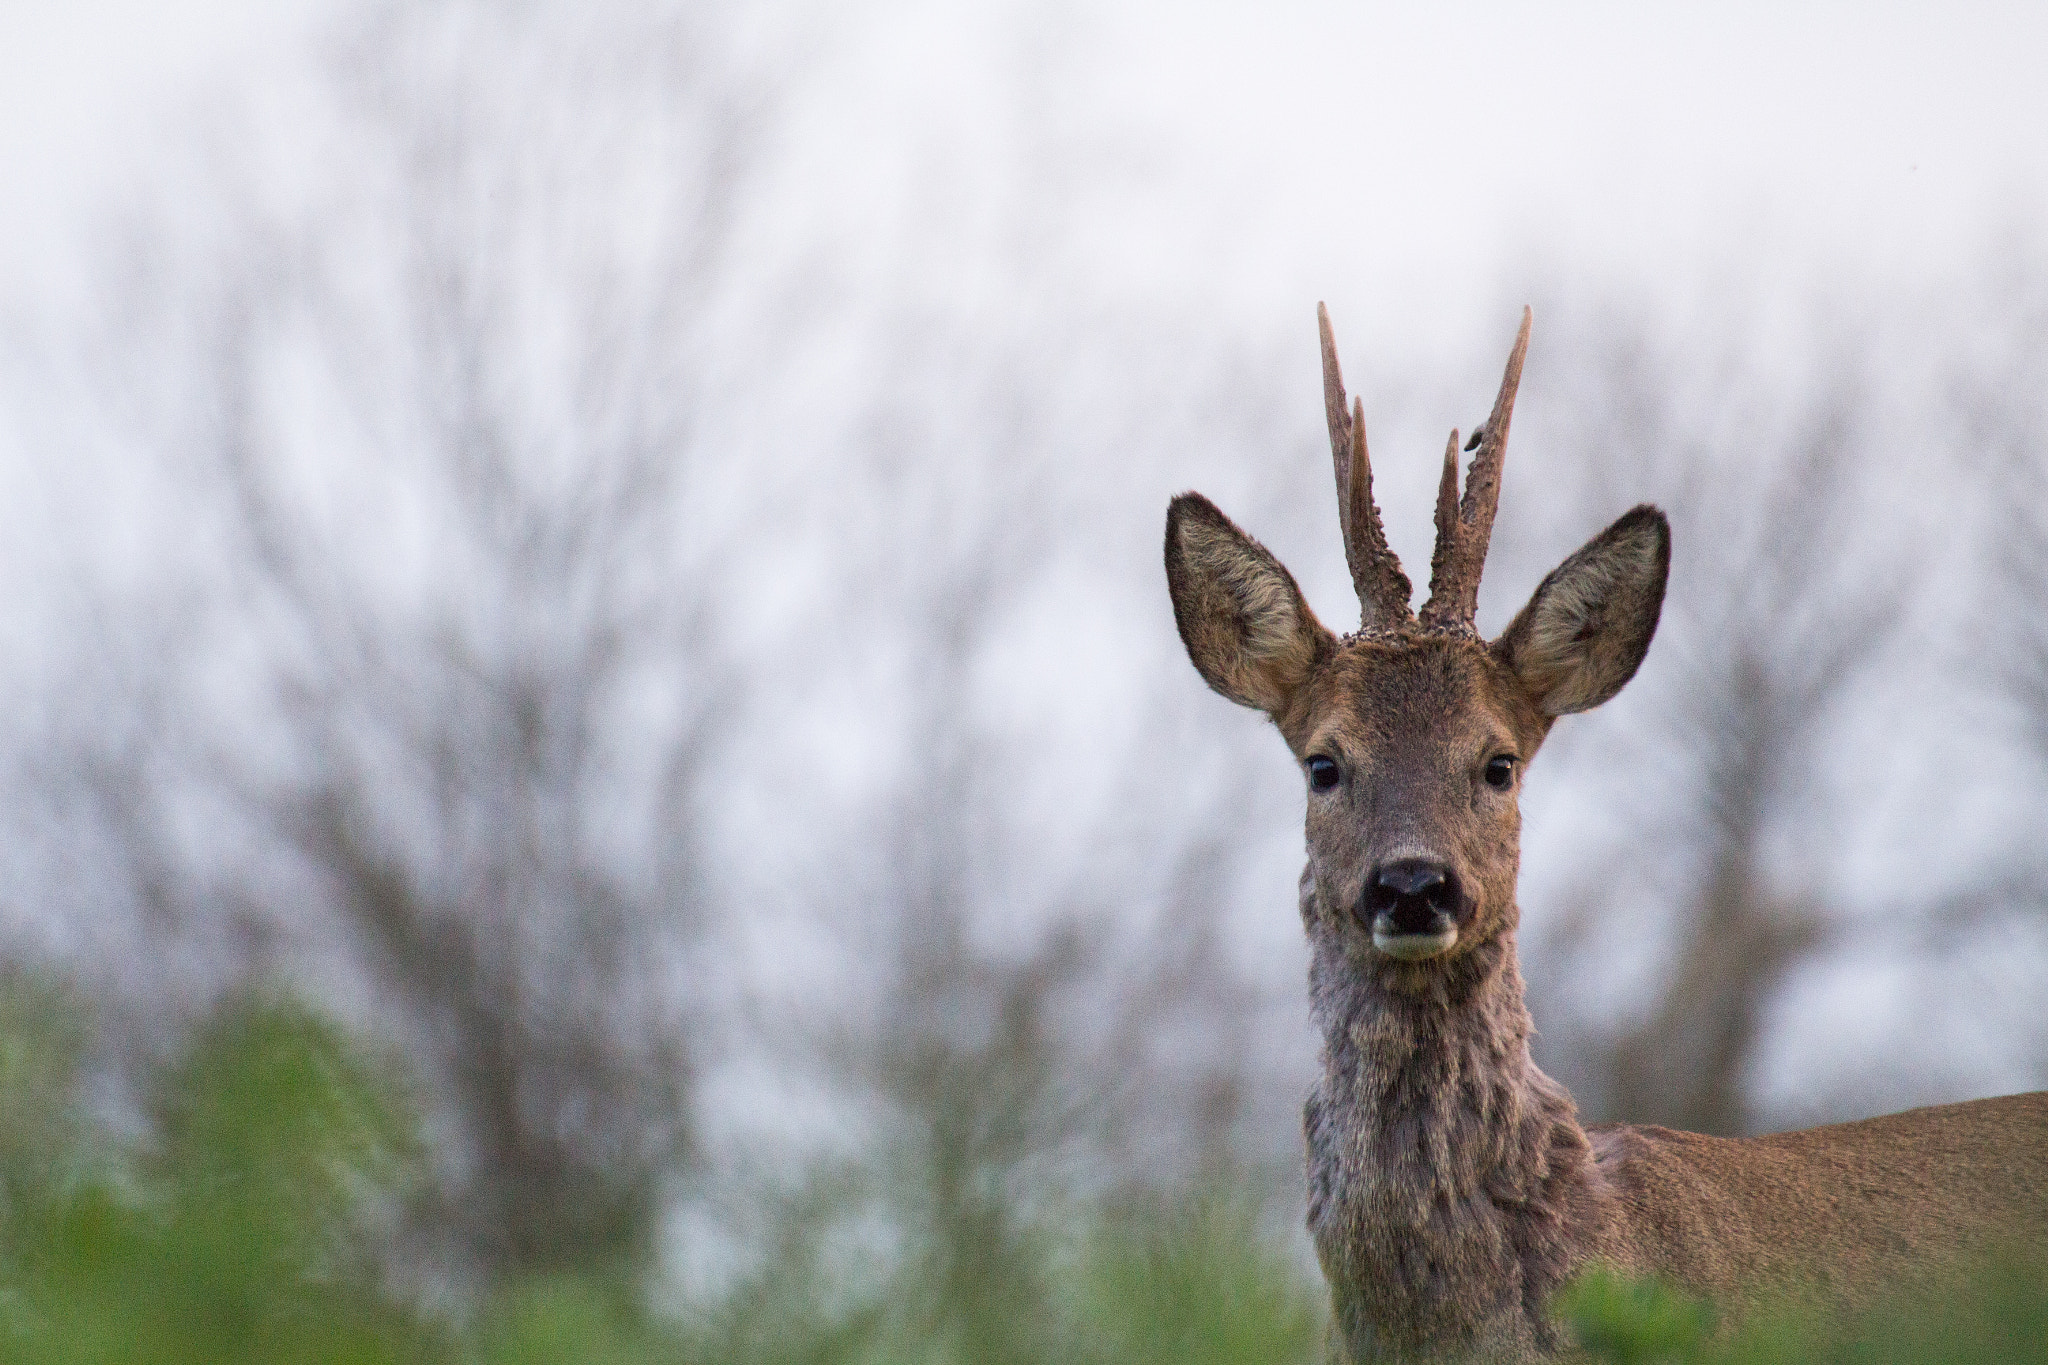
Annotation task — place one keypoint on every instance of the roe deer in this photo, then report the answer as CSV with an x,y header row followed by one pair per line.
x,y
1451,1186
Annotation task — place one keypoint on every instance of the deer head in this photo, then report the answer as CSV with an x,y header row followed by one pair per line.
x,y
1413,733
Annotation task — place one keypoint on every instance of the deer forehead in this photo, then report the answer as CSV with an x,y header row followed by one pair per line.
x,y
1425,699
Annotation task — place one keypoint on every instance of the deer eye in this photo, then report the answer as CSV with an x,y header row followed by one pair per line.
x,y
1500,772
1322,773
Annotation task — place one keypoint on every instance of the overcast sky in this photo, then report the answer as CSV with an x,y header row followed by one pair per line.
x,y
1400,156
1403,161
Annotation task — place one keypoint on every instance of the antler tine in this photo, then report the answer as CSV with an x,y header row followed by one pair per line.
x,y
1443,558
1482,480
1383,589
1460,555
1336,412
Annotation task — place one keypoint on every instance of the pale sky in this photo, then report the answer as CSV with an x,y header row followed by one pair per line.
x,y
1399,160
1456,138
87,88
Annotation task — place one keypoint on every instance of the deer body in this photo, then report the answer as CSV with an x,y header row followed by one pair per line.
x,y
1452,1188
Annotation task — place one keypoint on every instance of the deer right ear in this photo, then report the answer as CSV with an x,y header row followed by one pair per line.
x,y
1587,628
1246,625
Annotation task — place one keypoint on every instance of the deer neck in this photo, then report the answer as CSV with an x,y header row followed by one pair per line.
x,y
1451,1187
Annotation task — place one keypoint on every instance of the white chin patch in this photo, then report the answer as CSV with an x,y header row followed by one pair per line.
x,y
1414,947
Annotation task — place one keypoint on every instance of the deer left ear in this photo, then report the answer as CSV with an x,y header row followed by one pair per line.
x,y
1245,623
1589,624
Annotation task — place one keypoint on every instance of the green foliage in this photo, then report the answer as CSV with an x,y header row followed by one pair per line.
x,y
2002,1315
277,1135
1633,1321
1999,1314
43,1137
560,1319
250,1224
1193,1280
1197,1282
238,1237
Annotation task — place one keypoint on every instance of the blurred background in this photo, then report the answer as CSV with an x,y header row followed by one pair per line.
x,y
595,761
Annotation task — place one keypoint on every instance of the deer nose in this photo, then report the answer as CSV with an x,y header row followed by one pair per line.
x,y
1411,896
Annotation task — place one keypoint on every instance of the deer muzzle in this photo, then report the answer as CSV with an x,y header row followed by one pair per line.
x,y
1411,907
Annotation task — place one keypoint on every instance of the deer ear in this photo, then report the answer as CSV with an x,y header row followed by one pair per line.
x,y
1588,626
1247,628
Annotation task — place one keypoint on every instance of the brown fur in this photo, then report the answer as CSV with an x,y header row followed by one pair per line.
x,y
1451,1186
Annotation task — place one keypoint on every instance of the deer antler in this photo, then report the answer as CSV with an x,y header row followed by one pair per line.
x,y
1463,527
1383,590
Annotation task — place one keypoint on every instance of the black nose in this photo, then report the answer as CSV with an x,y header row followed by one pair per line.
x,y
1417,896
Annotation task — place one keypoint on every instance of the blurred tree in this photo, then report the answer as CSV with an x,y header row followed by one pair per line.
x,y
1999,430
1050,1022
1767,657
441,404
2001,434
1782,605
